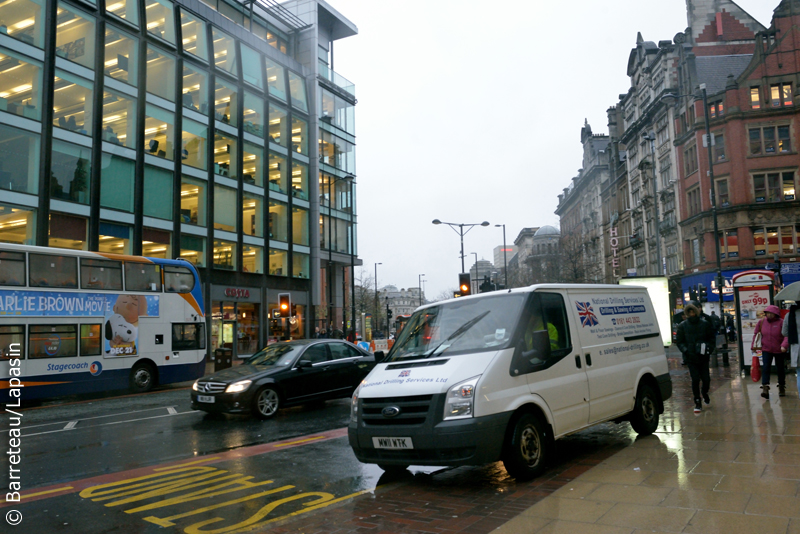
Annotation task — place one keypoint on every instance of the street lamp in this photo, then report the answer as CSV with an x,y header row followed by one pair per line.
x,y
331,186
461,232
375,319
651,136
420,288
352,181
505,262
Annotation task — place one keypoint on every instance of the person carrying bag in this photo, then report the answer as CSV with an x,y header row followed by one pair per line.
x,y
791,329
768,330
696,340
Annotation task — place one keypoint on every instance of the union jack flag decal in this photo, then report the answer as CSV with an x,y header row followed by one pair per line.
x,y
588,317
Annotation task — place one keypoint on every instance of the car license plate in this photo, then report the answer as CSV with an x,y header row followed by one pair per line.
x,y
392,443
205,398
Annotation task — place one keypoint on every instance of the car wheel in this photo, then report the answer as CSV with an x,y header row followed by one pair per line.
x,y
143,378
527,448
644,418
266,403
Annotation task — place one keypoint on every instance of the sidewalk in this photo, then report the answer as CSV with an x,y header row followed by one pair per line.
x,y
734,468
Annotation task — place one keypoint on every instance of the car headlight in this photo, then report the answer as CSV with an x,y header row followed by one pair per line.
x,y
460,400
238,387
194,386
354,405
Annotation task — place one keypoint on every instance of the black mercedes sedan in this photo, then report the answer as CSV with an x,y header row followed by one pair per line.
x,y
284,374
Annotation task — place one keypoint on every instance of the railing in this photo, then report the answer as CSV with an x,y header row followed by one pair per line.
x,y
336,79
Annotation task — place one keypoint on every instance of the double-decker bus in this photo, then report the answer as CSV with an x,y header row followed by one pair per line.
x,y
79,322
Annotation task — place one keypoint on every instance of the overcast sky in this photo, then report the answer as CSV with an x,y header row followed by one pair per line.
x,y
471,111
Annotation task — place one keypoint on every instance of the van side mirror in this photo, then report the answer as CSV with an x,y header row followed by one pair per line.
x,y
528,361
379,356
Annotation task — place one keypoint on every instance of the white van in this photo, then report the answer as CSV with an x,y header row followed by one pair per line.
x,y
499,376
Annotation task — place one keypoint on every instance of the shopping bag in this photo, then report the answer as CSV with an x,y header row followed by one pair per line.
x,y
755,369
757,342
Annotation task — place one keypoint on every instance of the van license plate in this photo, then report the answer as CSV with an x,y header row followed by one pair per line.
x,y
205,398
392,443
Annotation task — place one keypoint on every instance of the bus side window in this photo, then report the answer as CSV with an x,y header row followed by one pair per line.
x,y
53,271
91,342
12,268
178,279
8,336
142,276
101,274
188,336
52,341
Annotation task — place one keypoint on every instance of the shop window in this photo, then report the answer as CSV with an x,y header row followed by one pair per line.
x,y
156,243
120,56
194,142
75,36
193,201
224,52
224,255
252,259
300,226
253,164
278,262
12,335
159,132
300,264
142,277
72,103
278,121
225,156
71,170
119,119
253,215
781,94
48,270
67,232
24,20
178,279
127,10
278,220
254,115
193,30
251,67
91,341
225,208
226,102
101,274
297,89
52,341
19,160
116,182
160,19
12,269
160,73
277,174
115,238
195,88
193,249
158,192
20,85
300,180
247,323
188,336
276,79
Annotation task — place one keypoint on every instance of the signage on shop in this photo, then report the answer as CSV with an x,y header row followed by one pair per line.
x,y
237,292
613,243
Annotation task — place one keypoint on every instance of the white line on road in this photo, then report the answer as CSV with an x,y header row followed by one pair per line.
x,y
98,417
112,423
172,410
70,425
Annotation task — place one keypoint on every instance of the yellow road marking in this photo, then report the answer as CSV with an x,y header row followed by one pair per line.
x,y
29,495
187,463
300,441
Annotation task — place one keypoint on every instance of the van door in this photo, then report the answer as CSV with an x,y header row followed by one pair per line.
x,y
560,379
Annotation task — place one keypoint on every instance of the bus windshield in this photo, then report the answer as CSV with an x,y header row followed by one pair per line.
x,y
459,327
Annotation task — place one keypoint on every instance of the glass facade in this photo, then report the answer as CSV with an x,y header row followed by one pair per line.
x,y
120,50
20,85
72,103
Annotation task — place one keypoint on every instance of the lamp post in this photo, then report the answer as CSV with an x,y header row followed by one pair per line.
x,y
351,180
375,319
331,190
651,136
420,287
477,274
461,232
505,262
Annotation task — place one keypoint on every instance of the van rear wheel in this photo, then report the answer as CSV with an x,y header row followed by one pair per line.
x,y
527,448
644,418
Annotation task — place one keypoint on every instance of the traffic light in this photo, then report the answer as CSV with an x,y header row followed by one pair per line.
x,y
285,304
702,293
692,293
464,284
388,313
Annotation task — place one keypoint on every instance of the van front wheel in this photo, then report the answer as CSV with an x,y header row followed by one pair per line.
x,y
644,418
527,448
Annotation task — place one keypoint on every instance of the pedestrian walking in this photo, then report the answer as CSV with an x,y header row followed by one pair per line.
x,y
791,331
715,322
770,327
696,340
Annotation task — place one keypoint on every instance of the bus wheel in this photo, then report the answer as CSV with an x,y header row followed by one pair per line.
x,y
266,403
143,377
527,448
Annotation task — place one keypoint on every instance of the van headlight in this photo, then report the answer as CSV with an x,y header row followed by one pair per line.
x,y
354,405
460,400
238,387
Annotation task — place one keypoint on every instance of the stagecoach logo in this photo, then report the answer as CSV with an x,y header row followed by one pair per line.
x,y
405,373
237,293
96,368
390,411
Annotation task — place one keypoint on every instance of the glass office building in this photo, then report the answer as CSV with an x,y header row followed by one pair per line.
x,y
212,131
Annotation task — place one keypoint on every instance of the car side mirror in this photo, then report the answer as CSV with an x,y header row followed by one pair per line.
x,y
528,361
379,356
304,364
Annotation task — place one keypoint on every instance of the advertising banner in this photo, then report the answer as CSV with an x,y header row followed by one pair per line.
x,y
752,301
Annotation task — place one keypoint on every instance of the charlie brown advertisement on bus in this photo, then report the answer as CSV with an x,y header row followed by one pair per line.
x,y
121,330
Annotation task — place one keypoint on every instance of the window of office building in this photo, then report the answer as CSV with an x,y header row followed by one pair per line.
x,y
193,30
225,208
337,152
253,215
723,194
693,197
278,220
160,73
690,160
224,52
193,249
116,182
278,262
24,20
194,142
115,238
297,90
252,259
719,147
254,115
195,88
299,135
72,103
299,180
300,226
774,187
226,102
75,36
729,244
300,264
278,122
120,55
119,119
276,79
339,112
17,225
781,94
225,155
755,98
127,10
160,19
770,140
71,170
20,85
251,67
253,164
67,231
156,243
193,201
277,173
157,192
159,132
224,255
19,160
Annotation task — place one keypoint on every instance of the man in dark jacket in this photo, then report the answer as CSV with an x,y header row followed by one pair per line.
x,y
696,340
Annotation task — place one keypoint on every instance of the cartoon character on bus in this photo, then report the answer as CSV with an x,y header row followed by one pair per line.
x,y
122,328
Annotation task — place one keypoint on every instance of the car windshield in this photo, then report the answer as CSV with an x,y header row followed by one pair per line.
x,y
459,327
278,354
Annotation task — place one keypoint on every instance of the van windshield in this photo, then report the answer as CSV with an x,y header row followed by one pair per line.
x,y
459,327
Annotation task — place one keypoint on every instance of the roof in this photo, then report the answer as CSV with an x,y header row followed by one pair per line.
x,y
547,230
714,70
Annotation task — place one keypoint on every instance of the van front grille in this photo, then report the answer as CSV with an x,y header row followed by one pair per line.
x,y
413,410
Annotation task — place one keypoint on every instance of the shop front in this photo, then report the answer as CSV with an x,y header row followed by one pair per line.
x,y
236,319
